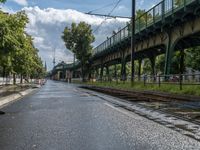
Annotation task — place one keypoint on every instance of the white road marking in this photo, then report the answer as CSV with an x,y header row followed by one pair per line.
x,y
54,96
125,112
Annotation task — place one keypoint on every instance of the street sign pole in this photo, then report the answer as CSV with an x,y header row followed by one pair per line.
x,y
133,42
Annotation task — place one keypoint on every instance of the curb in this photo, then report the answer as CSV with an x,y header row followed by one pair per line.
x,y
4,101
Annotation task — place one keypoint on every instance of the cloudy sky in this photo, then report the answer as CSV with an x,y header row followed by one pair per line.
x,y
49,17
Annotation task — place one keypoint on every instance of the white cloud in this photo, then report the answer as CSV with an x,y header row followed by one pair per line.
x,y
21,2
121,7
6,9
141,3
46,27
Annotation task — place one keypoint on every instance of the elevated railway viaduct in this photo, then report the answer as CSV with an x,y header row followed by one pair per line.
x,y
169,26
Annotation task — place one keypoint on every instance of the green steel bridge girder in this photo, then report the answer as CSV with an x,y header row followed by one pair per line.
x,y
158,14
175,28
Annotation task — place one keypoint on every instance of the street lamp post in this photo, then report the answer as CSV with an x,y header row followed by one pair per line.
x,y
132,42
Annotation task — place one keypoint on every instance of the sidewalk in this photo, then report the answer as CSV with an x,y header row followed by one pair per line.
x,y
11,93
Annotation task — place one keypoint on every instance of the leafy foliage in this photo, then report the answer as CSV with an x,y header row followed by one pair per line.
x,y
2,1
17,52
193,58
78,39
146,69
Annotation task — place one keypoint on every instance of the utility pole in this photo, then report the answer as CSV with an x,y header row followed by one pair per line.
x,y
133,43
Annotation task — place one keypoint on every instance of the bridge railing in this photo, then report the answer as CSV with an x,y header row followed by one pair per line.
x,y
158,13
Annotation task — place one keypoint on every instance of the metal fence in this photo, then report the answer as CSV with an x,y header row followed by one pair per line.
x,y
175,79
179,80
9,81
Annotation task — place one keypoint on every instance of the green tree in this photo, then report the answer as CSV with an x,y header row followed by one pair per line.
x,y
2,1
160,63
146,69
10,29
142,18
17,52
139,13
78,39
178,3
175,64
192,59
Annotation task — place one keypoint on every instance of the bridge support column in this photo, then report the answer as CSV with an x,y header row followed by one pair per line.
x,y
168,59
168,55
107,73
139,68
181,67
123,66
101,73
123,70
153,62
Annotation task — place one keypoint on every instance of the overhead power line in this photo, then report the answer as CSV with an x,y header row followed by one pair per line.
x,y
109,14
115,7
97,28
105,6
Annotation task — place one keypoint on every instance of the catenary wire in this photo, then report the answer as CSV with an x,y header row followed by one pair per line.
x,y
97,28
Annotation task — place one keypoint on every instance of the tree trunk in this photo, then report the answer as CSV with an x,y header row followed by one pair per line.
x,y
21,79
108,73
82,72
14,79
90,76
73,75
4,73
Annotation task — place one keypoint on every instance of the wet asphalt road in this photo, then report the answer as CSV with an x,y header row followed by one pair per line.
x,y
59,116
